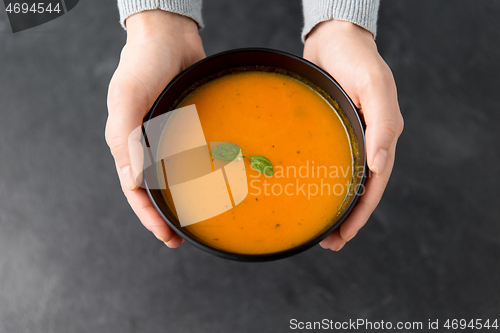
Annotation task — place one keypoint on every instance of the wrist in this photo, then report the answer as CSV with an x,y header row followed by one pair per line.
x,y
337,26
156,22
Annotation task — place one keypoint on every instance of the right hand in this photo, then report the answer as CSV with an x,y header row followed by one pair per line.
x,y
159,46
349,53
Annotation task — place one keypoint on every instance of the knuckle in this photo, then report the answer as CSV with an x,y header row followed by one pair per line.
x,y
379,73
110,138
401,125
117,90
117,146
391,127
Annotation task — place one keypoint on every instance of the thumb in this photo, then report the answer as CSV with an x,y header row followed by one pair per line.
x,y
123,132
384,124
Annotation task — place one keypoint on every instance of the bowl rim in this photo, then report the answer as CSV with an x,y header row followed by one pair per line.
x,y
275,255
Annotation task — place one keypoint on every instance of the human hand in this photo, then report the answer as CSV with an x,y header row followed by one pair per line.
x,y
159,46
349,53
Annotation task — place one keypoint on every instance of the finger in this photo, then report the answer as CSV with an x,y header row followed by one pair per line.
x,y
149,217
384,122
174,242
123,129
370,197
333,241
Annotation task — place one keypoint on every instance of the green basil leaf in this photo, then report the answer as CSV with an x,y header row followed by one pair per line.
x,y
226,151
262,164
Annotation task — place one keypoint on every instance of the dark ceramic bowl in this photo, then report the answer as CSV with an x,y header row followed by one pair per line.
x,y
267,60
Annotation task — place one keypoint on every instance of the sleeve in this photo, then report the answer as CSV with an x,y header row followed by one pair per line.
x,y
360,12
189,8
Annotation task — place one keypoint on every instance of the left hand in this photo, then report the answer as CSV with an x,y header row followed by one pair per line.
x,y
159,45
349,53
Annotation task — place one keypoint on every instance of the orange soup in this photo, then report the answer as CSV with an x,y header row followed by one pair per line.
x,y
285,120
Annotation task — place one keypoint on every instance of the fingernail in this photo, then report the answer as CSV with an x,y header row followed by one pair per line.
x,y
128,178
379,161
158,237
341,246
166,243
351,237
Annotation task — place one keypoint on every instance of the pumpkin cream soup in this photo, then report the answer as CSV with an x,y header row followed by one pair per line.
x,y
270,118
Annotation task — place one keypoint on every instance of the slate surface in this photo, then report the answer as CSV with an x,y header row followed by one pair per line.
x,y
74,258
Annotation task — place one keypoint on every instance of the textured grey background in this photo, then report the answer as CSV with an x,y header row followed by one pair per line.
x,y
74,258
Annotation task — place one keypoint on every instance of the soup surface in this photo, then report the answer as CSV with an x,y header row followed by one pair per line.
x,y
283,119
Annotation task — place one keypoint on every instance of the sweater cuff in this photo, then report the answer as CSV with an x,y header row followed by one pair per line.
x,y
360,12
189,8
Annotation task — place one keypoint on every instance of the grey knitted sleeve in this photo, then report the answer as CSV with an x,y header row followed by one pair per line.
x,y
189,8
360,12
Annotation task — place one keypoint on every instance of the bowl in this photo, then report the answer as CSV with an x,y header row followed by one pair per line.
x,y
255,59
